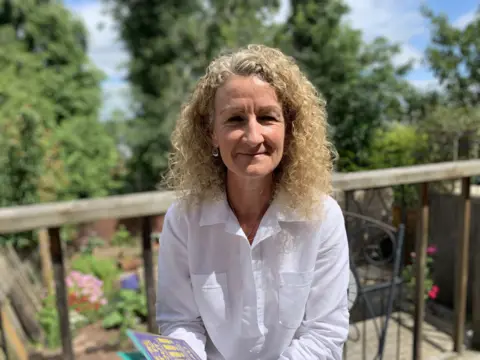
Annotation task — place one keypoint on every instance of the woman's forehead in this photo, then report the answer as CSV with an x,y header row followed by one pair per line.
x,y
240,89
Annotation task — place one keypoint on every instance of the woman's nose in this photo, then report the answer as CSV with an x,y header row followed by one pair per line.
x,y
253,131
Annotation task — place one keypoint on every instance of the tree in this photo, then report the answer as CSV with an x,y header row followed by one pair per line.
x,y
448,128
26,122
361,84
454,58
418,104
46,71
160,37
170,43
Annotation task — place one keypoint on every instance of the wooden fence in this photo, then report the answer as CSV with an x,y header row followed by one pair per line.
x,y
55,215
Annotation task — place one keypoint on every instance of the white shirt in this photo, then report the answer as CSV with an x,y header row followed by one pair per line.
x,y
283,297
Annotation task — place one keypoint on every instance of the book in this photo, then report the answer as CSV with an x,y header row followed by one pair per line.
x,y
157,347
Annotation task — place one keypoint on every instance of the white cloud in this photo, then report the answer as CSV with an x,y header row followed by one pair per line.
x,y
426,84
465,19
105,48
283,12
397,21
116,96
107,52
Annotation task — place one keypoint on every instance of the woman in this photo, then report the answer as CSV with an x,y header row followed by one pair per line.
x,y
253,258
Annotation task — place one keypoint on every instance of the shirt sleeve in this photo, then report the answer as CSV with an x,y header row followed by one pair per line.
x,y
324,329
177,315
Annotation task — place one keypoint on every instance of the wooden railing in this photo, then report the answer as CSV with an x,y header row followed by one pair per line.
x,y
146,205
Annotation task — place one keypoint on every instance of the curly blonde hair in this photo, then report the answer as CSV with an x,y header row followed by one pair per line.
x,y
304,173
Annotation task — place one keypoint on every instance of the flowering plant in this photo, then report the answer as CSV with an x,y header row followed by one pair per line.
x,y
85,292
431,290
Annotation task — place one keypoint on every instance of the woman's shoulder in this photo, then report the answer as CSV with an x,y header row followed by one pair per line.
x,y
184,210
326,209
181,211
331,208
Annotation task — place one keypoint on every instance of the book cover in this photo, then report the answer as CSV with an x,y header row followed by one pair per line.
x,y
157,347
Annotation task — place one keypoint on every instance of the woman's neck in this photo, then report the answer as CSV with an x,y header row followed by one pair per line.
x,y
249,198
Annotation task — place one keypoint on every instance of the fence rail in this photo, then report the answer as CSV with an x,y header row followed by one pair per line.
x,y
54,215
31,217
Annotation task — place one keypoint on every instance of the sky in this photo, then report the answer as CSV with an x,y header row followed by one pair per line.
x,y
399,21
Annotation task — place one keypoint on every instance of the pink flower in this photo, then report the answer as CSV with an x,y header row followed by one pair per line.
x,y
86,286
413,255
432,249
432,294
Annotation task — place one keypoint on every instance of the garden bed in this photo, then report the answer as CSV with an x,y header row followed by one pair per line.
x,y
90,341
105,296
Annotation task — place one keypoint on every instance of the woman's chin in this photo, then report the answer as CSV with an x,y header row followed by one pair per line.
x,y
254,171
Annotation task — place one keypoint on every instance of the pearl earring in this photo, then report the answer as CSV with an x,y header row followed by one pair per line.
x,y
215,152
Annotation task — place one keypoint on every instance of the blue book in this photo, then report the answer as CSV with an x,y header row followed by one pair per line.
x,y
157,347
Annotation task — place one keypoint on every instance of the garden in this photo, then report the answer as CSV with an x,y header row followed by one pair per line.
x,y
106,296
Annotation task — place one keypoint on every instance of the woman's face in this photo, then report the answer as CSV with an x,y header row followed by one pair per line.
x,y
249,128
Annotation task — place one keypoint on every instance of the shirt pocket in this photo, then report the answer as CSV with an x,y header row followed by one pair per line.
x,y
294,288
211,294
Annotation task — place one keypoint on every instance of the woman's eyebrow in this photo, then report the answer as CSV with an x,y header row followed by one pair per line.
x,y
232,108
263,109
273,108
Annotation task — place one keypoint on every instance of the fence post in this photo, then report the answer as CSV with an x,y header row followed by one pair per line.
x,y
148,271
346,203
461,279
476,298
3,337
56,253
420,264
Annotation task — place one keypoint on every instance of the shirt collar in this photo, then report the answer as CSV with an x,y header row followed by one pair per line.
x,y
218,211
215,211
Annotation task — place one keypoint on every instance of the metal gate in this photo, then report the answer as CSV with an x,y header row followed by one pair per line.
x,y
375,263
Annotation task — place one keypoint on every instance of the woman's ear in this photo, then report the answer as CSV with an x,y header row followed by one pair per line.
x,y
214,139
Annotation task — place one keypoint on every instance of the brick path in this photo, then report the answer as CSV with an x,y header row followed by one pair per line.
x,y
468,355
437,345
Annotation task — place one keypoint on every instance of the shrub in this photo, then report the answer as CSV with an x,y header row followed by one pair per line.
x,y
105,270
431,290
85,292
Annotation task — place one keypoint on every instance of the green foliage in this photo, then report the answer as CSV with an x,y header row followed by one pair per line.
x,y
24,131
125,311
48,319
122,237
25,123
397,145
89,156
103,268
446,126
52,146
453,56
91,243
409,276
361,84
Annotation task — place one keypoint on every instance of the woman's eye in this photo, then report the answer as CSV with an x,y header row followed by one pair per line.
x,y
267,118
235,119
